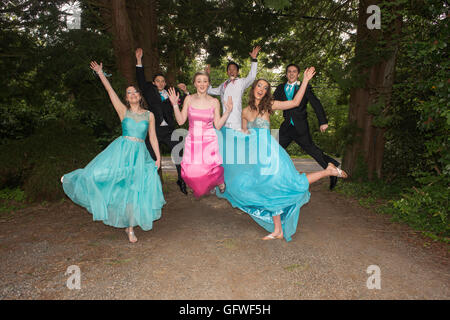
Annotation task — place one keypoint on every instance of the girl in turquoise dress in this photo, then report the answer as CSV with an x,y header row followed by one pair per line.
x,y
121,186
265,183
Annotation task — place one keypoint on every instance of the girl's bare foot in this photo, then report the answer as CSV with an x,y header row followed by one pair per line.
x,y
131,235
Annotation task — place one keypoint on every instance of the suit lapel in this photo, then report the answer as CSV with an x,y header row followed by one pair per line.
x,y
284,92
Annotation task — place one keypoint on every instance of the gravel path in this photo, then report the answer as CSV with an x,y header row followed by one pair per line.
x,y
204,249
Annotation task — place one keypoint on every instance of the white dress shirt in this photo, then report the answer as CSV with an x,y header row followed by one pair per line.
x,y
235,90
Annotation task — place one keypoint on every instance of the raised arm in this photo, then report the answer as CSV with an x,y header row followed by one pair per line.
x,y
118,105
153,139
253,69
140,74
219,121
181,117
284,105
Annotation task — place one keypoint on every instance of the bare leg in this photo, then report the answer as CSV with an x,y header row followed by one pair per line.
x,y
277,232
316,176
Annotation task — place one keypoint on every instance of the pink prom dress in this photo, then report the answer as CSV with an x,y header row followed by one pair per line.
x,y
201,165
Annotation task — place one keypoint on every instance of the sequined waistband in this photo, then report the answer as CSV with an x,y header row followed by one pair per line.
x,y
133,139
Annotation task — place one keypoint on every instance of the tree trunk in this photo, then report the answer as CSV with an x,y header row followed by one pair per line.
x,y
375,62
145,29
171,74
123,41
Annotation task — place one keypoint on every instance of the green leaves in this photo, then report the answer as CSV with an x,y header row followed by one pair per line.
x,y
277,4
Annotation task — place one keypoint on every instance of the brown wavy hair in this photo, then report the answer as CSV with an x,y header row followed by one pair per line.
x,y
265,105
142,103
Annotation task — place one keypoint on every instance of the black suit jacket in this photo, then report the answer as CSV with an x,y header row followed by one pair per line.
x,y
299,114
162,110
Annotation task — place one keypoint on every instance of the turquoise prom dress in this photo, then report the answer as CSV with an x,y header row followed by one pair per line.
x,y
261,178
120,186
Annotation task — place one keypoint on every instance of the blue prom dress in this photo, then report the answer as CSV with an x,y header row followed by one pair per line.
x,y
261,178
121,185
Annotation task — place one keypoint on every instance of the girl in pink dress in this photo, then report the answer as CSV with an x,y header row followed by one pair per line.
x,y
201,165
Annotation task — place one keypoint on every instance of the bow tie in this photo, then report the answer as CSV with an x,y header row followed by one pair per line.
x,y
228,81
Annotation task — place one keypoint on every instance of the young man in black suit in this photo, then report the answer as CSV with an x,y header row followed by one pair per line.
x,y
156,96
295,126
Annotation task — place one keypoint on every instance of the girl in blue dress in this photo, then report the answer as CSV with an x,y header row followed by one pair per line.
x,y
264,182
121,186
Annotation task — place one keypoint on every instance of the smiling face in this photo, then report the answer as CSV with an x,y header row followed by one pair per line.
x,y
133,96
260,89
232,71
160,82
292,74
201,83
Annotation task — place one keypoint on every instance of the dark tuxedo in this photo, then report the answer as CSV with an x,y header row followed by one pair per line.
x,y
299,132
162,110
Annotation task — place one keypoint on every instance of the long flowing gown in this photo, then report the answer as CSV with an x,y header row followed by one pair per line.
x,y
201,165
261,178
120,186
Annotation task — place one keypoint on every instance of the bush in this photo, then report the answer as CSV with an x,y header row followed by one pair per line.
x,y
425,209
36,163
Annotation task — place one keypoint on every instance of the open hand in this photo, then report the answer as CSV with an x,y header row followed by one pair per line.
x,y
255,52
173,96
309,73
97,67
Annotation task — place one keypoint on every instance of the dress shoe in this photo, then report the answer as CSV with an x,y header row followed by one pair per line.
x,y
182,186
333,182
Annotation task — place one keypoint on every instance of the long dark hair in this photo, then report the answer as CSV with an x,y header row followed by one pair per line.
x,y
265,105
142,103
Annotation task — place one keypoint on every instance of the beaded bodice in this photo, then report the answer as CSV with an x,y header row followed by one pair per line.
x,y
135,125
258,123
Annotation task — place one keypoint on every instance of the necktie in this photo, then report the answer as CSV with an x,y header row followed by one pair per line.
x,y
289,95
164,95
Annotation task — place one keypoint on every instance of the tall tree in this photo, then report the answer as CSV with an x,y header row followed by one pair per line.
x,y
144,24
131,24
373,76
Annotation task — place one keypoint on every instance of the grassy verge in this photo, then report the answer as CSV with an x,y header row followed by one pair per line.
x,y
423,209
11,200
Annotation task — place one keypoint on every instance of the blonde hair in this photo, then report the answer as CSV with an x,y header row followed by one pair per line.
x,y
201,73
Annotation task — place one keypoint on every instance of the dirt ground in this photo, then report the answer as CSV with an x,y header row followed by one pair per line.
x,y
204,249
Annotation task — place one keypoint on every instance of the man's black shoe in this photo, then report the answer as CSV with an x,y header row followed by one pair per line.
x,y
182,186
333,182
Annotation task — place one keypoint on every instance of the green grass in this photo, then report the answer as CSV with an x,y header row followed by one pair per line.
x,y
11,200
424,209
